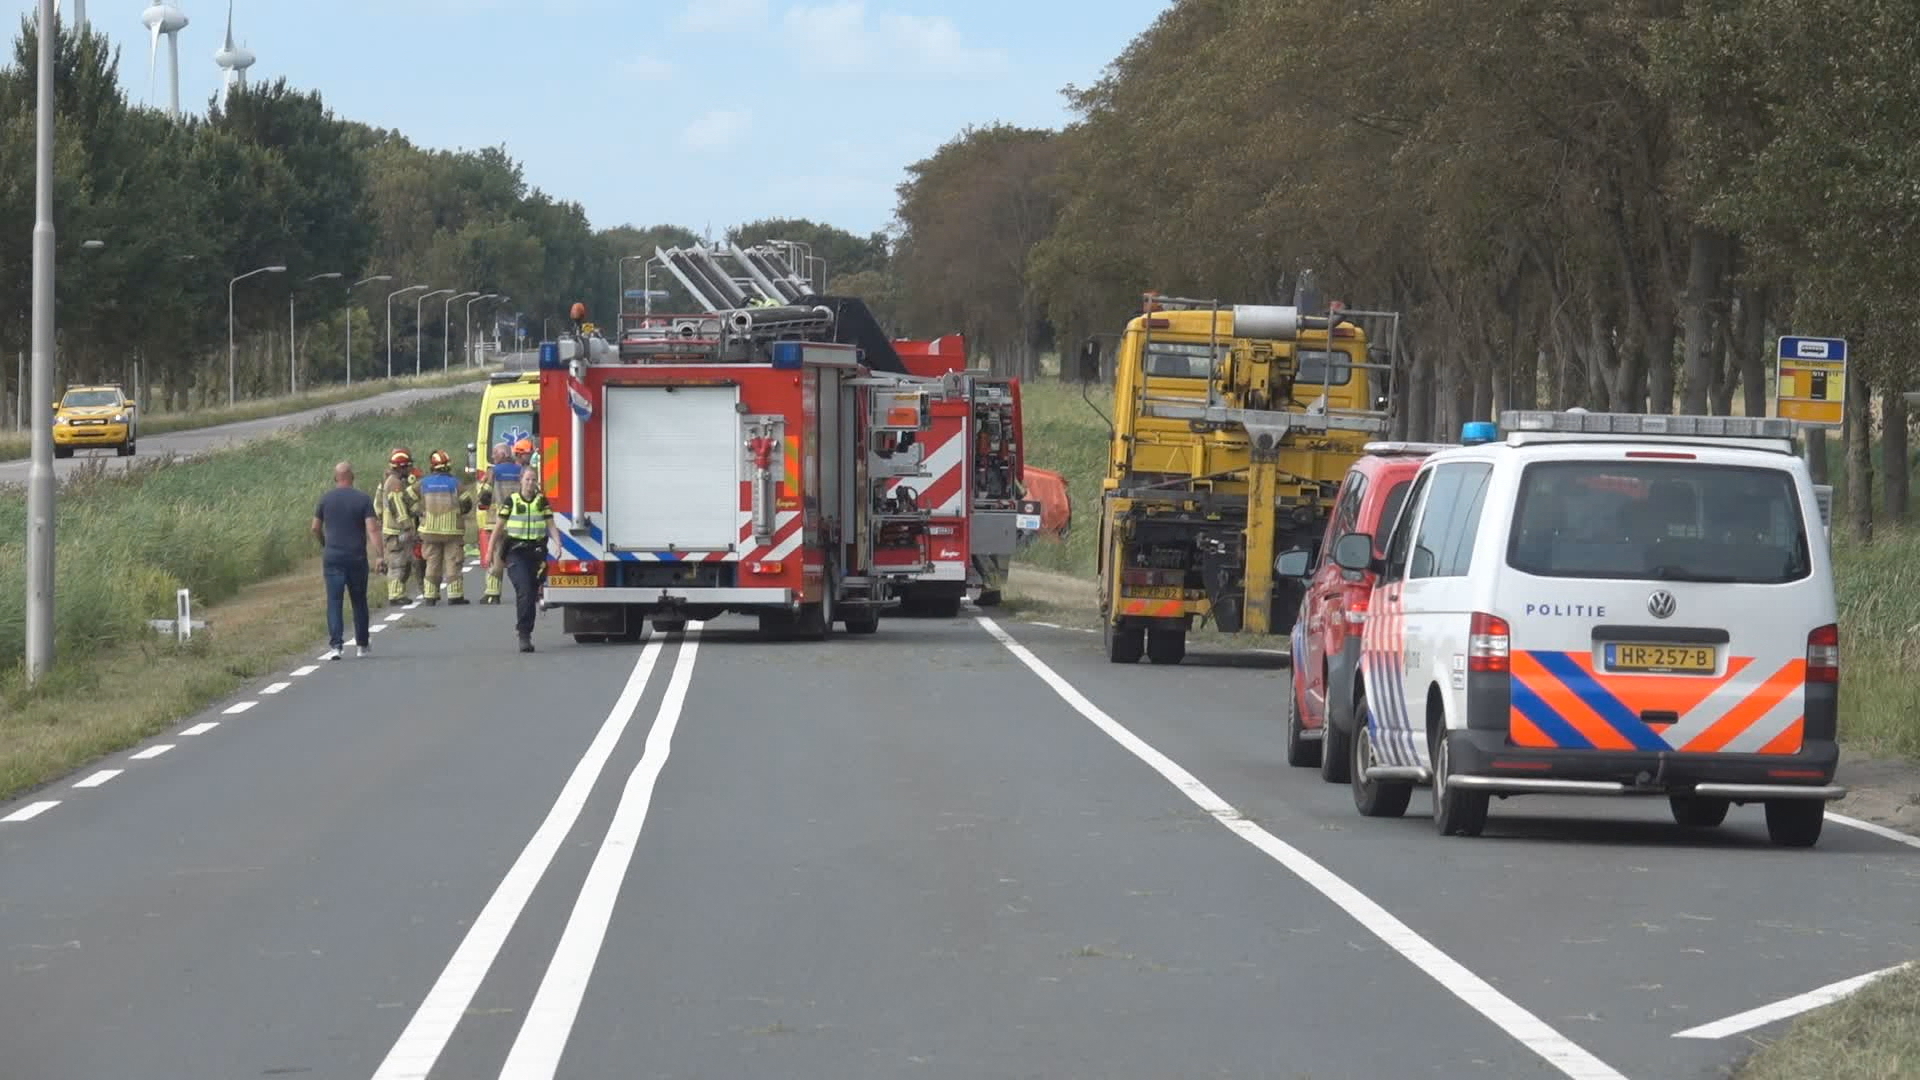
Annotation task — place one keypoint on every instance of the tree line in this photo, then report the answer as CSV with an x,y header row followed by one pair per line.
x,y
1616,205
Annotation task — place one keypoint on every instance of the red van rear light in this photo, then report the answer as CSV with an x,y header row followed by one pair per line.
x,y
1823,655
1488,642
1357,601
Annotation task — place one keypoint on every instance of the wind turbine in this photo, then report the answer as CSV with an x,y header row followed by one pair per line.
x,y
165,18
233,59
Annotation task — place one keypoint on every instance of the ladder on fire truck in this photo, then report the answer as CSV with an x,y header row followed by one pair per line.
x,y
759,273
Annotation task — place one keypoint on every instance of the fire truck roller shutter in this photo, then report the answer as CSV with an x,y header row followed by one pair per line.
x,y
672,468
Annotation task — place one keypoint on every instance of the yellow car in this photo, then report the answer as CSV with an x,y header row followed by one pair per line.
x,y
93,416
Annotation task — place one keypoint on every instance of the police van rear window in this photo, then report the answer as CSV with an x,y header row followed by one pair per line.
x,y
1659,521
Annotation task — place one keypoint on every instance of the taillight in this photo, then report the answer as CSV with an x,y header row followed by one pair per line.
x,y
1488,642
1152,578
1357,600
1823,655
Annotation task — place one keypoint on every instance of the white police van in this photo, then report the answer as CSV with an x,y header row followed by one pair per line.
x,y
1604,604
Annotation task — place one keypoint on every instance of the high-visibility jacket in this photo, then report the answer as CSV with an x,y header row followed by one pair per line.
x,y
527,519
399,513
443,506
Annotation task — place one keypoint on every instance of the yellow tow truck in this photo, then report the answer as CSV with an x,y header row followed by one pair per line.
x,y
1233,428
100,416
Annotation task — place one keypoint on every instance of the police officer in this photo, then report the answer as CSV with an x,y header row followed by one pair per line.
x,y
520,539
443,529
398,524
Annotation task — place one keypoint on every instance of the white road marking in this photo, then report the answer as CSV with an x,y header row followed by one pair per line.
x,y
276,687
543,1037
1532,1032
376,628
31,811
202,728
303,672
152,752
1780,1010
99,778
420,1045
1881,831
396,616
238,707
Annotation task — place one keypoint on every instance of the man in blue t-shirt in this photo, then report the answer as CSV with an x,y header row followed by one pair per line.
x,y
347,526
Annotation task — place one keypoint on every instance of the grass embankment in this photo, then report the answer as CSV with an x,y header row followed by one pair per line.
x,y
15,445
1872,1035
231,526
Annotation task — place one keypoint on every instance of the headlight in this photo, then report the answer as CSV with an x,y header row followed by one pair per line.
x,y
58,420
119,418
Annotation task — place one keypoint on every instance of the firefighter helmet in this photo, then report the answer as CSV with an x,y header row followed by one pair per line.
x,y
439,461
400,459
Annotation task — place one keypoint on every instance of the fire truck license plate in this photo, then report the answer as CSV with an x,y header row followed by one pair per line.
x,y
574,581
1692,659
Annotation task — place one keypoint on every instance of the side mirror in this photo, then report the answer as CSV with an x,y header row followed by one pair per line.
x,y
1353,551
1293,564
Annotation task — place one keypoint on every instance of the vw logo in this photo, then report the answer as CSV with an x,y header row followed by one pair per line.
x,y
1661,604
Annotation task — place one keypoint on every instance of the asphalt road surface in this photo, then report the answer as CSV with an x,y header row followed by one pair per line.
x,y
197,441
959,848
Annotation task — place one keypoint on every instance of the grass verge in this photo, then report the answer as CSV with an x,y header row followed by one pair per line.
x,y
15,446
1871,1035
221,525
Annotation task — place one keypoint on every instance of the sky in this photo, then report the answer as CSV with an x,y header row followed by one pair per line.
x,y
703,113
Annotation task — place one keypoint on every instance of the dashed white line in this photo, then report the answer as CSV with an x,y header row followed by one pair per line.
x,y
202,728
99,778
396,616
377,627
1780,1010
152,752
1532,1032
238,707
1881,831
445,1006
543,1037
31,811
302,672
276,688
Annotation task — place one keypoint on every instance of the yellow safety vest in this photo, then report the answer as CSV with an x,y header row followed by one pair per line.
x,y
527,518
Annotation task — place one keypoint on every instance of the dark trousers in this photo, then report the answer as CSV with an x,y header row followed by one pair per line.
x,y
348,576
525,566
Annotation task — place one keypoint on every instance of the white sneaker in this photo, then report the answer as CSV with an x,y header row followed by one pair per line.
x,y
332,654
362,650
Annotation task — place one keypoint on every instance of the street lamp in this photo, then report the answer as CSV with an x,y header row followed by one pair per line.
x,y
466,335
390,296
293,343
233,349
350,288
40,487
417,348
446,330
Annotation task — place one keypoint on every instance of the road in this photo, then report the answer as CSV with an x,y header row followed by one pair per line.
x,y
198,441
960,848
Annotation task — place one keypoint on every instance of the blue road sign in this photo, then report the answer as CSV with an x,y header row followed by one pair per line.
x,y
1831,350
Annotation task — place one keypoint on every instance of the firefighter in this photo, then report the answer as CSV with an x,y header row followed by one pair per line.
x,y
398,524
519,546
443,530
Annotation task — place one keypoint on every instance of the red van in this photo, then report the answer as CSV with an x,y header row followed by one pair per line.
x,y
1325,646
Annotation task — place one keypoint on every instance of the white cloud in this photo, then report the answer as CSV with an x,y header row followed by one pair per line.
x,y
647,69
843,36
717,129
703,16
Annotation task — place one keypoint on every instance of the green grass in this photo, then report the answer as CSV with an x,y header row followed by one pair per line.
x,y
1872,1035
126,542
1066,436
15,446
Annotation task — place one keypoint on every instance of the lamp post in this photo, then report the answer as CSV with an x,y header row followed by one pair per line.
x,y
40,487
546,334
446,328
350,288
466,335
232,348
424,297
293,343
390,296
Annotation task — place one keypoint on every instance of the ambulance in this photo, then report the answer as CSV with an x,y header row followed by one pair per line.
x,y
1603,604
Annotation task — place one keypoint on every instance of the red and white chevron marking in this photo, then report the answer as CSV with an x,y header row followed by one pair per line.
x,y
944,492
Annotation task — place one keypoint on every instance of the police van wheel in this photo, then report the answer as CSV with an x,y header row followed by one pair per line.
x,y
1373,798
1698,811
1456,812
1795,822
1300,752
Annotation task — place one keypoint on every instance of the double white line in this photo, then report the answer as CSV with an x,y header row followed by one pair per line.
x,y
543,1036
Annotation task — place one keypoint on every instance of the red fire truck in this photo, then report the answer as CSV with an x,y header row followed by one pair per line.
x,y
734,461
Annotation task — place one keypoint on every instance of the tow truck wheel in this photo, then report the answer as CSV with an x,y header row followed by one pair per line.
x,y
1168,646
1795,822
1698,811
1373,798
1125,644
1300,752
1456,811
589,639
